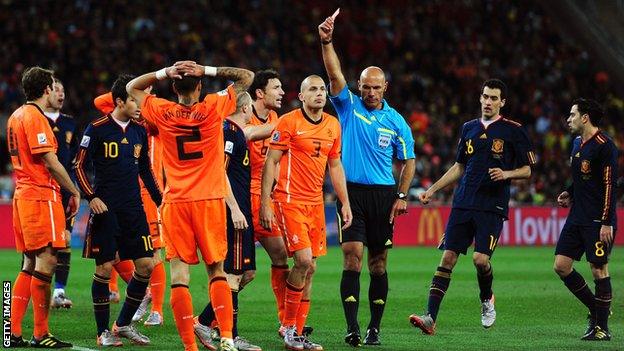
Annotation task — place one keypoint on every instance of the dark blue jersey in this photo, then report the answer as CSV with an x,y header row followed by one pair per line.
x,y
594,171
119,157
237,166
64,129
503,144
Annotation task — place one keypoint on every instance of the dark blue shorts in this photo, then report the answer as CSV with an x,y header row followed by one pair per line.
x,y
464,226
576,240
241,255
123,231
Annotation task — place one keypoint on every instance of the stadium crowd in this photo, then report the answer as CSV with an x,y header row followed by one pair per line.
x,y
436,54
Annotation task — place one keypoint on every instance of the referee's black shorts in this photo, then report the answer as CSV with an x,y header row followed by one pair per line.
x,y
371,206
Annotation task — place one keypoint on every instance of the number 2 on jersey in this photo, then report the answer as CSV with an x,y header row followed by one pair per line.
x,y
182,139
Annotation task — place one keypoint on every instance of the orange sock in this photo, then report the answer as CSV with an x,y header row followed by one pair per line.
x,y
182,306
112,284
40,290
279,274
221,299
19,301
125,269
292,302
157,286
302,315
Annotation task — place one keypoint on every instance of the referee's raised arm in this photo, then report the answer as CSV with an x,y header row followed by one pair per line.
x,y
332,64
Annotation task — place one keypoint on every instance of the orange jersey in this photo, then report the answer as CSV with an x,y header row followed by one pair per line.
x,y
104,103
192,141
29,137
257,152
307,146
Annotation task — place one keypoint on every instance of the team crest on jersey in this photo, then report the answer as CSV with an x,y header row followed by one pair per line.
x,y
276,136
497,145
384,140
68,137
585,166
137,150
330,133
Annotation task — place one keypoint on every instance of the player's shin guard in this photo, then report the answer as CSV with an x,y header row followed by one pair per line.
x,y
182,306
125,269
221,300
62,269
302,315
291,304
101,302
485,279
439,285
377,295
40,290
134,296
279,274
20,297
603,302
158,280
350,296
577,286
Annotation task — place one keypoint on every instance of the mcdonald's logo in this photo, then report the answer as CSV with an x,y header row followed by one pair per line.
x,y
429,226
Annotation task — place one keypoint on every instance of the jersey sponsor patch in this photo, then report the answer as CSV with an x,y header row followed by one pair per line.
x,y
85,141
229,147
42,139
276,136
384,140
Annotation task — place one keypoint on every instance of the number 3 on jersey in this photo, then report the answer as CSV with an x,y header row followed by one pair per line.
x,y
186,138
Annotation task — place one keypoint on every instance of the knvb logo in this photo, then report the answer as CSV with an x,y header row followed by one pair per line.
x,y
429,226
6,313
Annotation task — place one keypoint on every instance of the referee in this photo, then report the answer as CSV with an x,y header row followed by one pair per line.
x,y
373,133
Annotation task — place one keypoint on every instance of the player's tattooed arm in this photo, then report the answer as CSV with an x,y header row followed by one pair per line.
x,y
241,77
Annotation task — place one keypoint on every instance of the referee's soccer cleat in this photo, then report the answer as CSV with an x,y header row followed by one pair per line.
x,y
372,337
49,342
424,323
353,338
598,334
17,341
488,313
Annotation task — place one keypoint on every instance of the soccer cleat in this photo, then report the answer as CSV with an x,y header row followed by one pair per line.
x,y
372,337
291,340
424,323
140,312
227,345
488,313
131,333
307,330
591,324
598,334
49,342
353,338
108,339
17,341
243,345
113,296
281,331
59,300
204,334
309,345
154,319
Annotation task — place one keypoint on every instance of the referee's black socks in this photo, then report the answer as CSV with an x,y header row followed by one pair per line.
x,y
377,295
350,296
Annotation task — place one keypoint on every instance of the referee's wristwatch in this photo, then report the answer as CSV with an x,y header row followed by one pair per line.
x,y
401,196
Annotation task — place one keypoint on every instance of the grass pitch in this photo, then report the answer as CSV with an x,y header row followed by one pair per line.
x,y
535,310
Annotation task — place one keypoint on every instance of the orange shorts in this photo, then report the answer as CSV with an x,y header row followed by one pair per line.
x,y
259,231
38,224
153,220
188,226
303,227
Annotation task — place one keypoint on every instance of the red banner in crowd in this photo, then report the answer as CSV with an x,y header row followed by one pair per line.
x,y
532,226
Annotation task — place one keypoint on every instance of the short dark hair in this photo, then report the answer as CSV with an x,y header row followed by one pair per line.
x,y
35,80
261,79
186,85
496,84
119,87
591,108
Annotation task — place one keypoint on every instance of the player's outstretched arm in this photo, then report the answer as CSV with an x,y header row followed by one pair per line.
x,y
451,176
136,87
253,133
268,177
337,80
338,179
59,173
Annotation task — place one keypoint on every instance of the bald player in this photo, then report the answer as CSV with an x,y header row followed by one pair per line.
x,y
374,134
